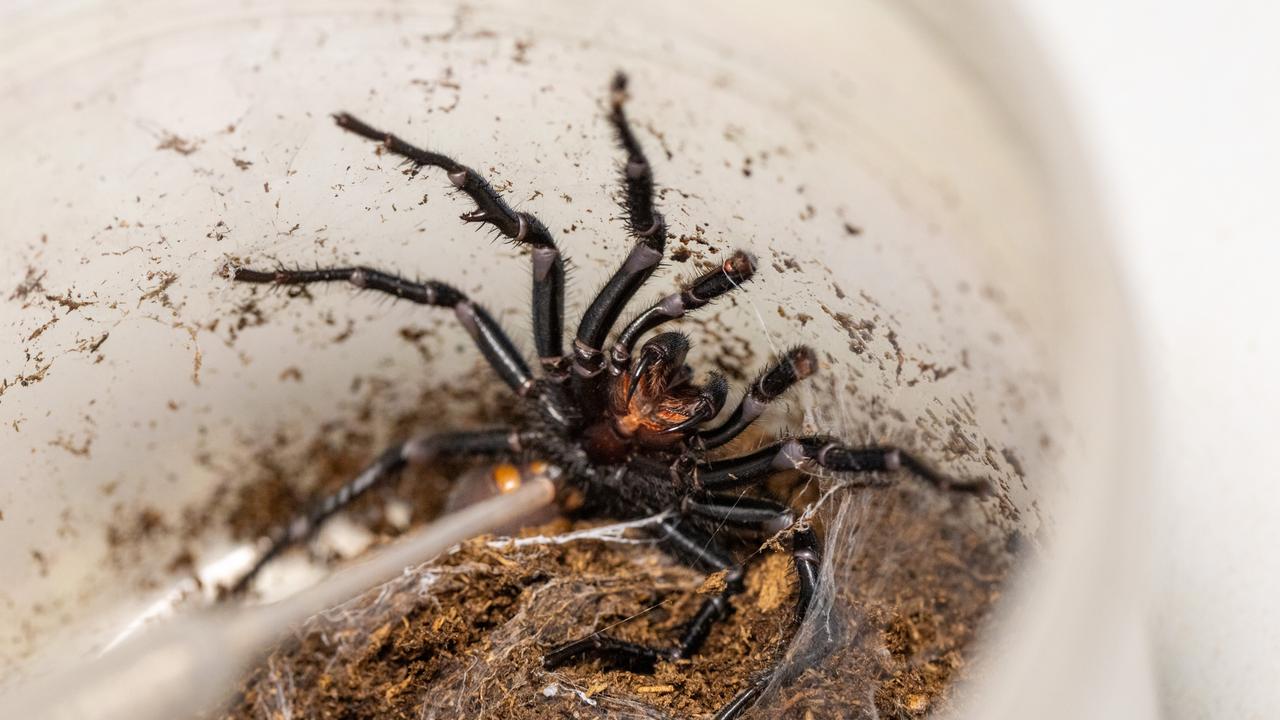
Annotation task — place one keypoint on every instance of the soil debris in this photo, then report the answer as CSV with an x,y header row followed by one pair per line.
x,y
180,145
464,636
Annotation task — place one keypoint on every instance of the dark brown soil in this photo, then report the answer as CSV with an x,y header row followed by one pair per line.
x,y
463,637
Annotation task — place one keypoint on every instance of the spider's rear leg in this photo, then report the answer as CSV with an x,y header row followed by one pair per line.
x,y
701,551
766,517
418,451
804,453
806,555
698,550
761,516
484,330
518,227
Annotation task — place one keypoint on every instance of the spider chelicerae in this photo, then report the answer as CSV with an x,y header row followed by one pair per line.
x,y
630,433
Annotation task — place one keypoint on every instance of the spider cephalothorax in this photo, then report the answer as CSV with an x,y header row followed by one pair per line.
x,y
630,432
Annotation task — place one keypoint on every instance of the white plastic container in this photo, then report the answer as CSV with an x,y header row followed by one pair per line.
x,y
907,167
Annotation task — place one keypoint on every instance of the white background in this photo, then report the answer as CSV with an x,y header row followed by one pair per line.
x,y
1180,103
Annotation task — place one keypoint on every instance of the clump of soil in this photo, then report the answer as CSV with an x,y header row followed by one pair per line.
x,y
912,573
463,638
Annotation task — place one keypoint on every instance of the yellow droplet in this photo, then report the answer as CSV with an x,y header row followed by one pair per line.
x,y
506,477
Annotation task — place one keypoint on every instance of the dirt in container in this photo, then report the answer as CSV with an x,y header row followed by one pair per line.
x,y
913,575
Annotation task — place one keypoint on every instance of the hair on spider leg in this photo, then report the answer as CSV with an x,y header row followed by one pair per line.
x,y
632,432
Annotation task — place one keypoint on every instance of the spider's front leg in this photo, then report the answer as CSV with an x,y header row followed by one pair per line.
x,y
788,369
494,344
519,227
649,228
736,269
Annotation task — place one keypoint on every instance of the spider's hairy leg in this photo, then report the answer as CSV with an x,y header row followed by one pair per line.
x,y
518,227
642,219
742,701
793,366
732,273
694,548
417,451
805,453
649,229
806,556
484,330
811,452
761,516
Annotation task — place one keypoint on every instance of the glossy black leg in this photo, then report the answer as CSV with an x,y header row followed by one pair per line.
x,y
741,702
765,516
815,451
615,653
793,366
741,512
649,229
732,273
484,330
519,227
694,548
418,451
806,555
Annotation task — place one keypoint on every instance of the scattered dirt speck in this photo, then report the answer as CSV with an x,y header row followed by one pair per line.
x,y
159,292
177,144
67,301
30,284
79,449
41,561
